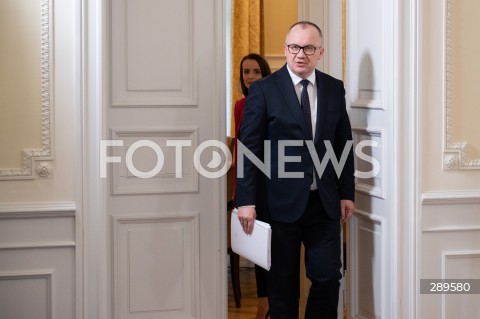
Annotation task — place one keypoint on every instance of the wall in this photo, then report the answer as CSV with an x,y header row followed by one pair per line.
x,y
449,222
38,210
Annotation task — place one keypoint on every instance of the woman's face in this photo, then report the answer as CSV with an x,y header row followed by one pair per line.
x,y
251,72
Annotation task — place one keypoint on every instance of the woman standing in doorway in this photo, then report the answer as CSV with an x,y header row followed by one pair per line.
x,y
253,67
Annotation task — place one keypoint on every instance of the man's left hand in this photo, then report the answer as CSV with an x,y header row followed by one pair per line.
x,y
347,208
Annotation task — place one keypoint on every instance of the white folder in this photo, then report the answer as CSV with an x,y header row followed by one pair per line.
x,y
254,247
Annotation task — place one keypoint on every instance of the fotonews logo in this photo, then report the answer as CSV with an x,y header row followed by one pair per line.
x,y
220,158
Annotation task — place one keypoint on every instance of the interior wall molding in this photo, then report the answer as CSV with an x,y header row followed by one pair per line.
x,y
450,255
371,217
373,134
37,210
459,229
355,227
124,182
37,245
48,275
125,229
31,168
455,153
456,254
125,95
362,60
451,197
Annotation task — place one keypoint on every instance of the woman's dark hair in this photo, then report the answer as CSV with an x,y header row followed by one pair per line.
x,y
264,68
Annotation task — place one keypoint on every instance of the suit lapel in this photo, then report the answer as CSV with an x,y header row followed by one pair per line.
x,y
322,104
290,96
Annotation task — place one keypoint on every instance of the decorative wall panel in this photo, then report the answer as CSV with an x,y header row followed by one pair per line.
x,y
145,159
371,161
462,75
366,63
460,265
153,53
155,262
368,266
450,246
26,294
34,162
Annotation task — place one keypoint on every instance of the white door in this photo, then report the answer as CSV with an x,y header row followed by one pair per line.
x,y
164,84
370,86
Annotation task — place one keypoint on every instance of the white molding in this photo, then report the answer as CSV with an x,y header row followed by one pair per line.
x,y
369,216
325,62
455,153
376,191
303,10
121,96
374,219
30,156
79,150
451,255
37,245
159,184
38,207
91,260
38,210
408,244
220,185
457,200
451,197
40,273
191,219
456,254
47,274
365,103
451,229
372,99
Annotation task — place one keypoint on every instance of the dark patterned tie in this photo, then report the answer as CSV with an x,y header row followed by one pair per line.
x,y
305,105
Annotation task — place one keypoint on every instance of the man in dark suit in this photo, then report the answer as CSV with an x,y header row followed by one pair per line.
x,y
303,200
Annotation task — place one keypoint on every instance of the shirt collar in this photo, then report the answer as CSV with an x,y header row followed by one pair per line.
x,y
296,79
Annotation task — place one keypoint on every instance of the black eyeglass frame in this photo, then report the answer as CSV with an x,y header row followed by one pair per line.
x,y
302,48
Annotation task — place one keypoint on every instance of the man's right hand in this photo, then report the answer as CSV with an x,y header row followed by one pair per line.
x,y
247,216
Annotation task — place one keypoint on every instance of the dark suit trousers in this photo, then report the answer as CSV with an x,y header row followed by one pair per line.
x,y
321,238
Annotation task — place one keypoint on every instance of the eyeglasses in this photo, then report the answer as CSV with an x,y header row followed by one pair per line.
x,y
308,49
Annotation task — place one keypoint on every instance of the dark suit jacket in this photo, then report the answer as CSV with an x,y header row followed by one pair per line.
x,y
273,113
